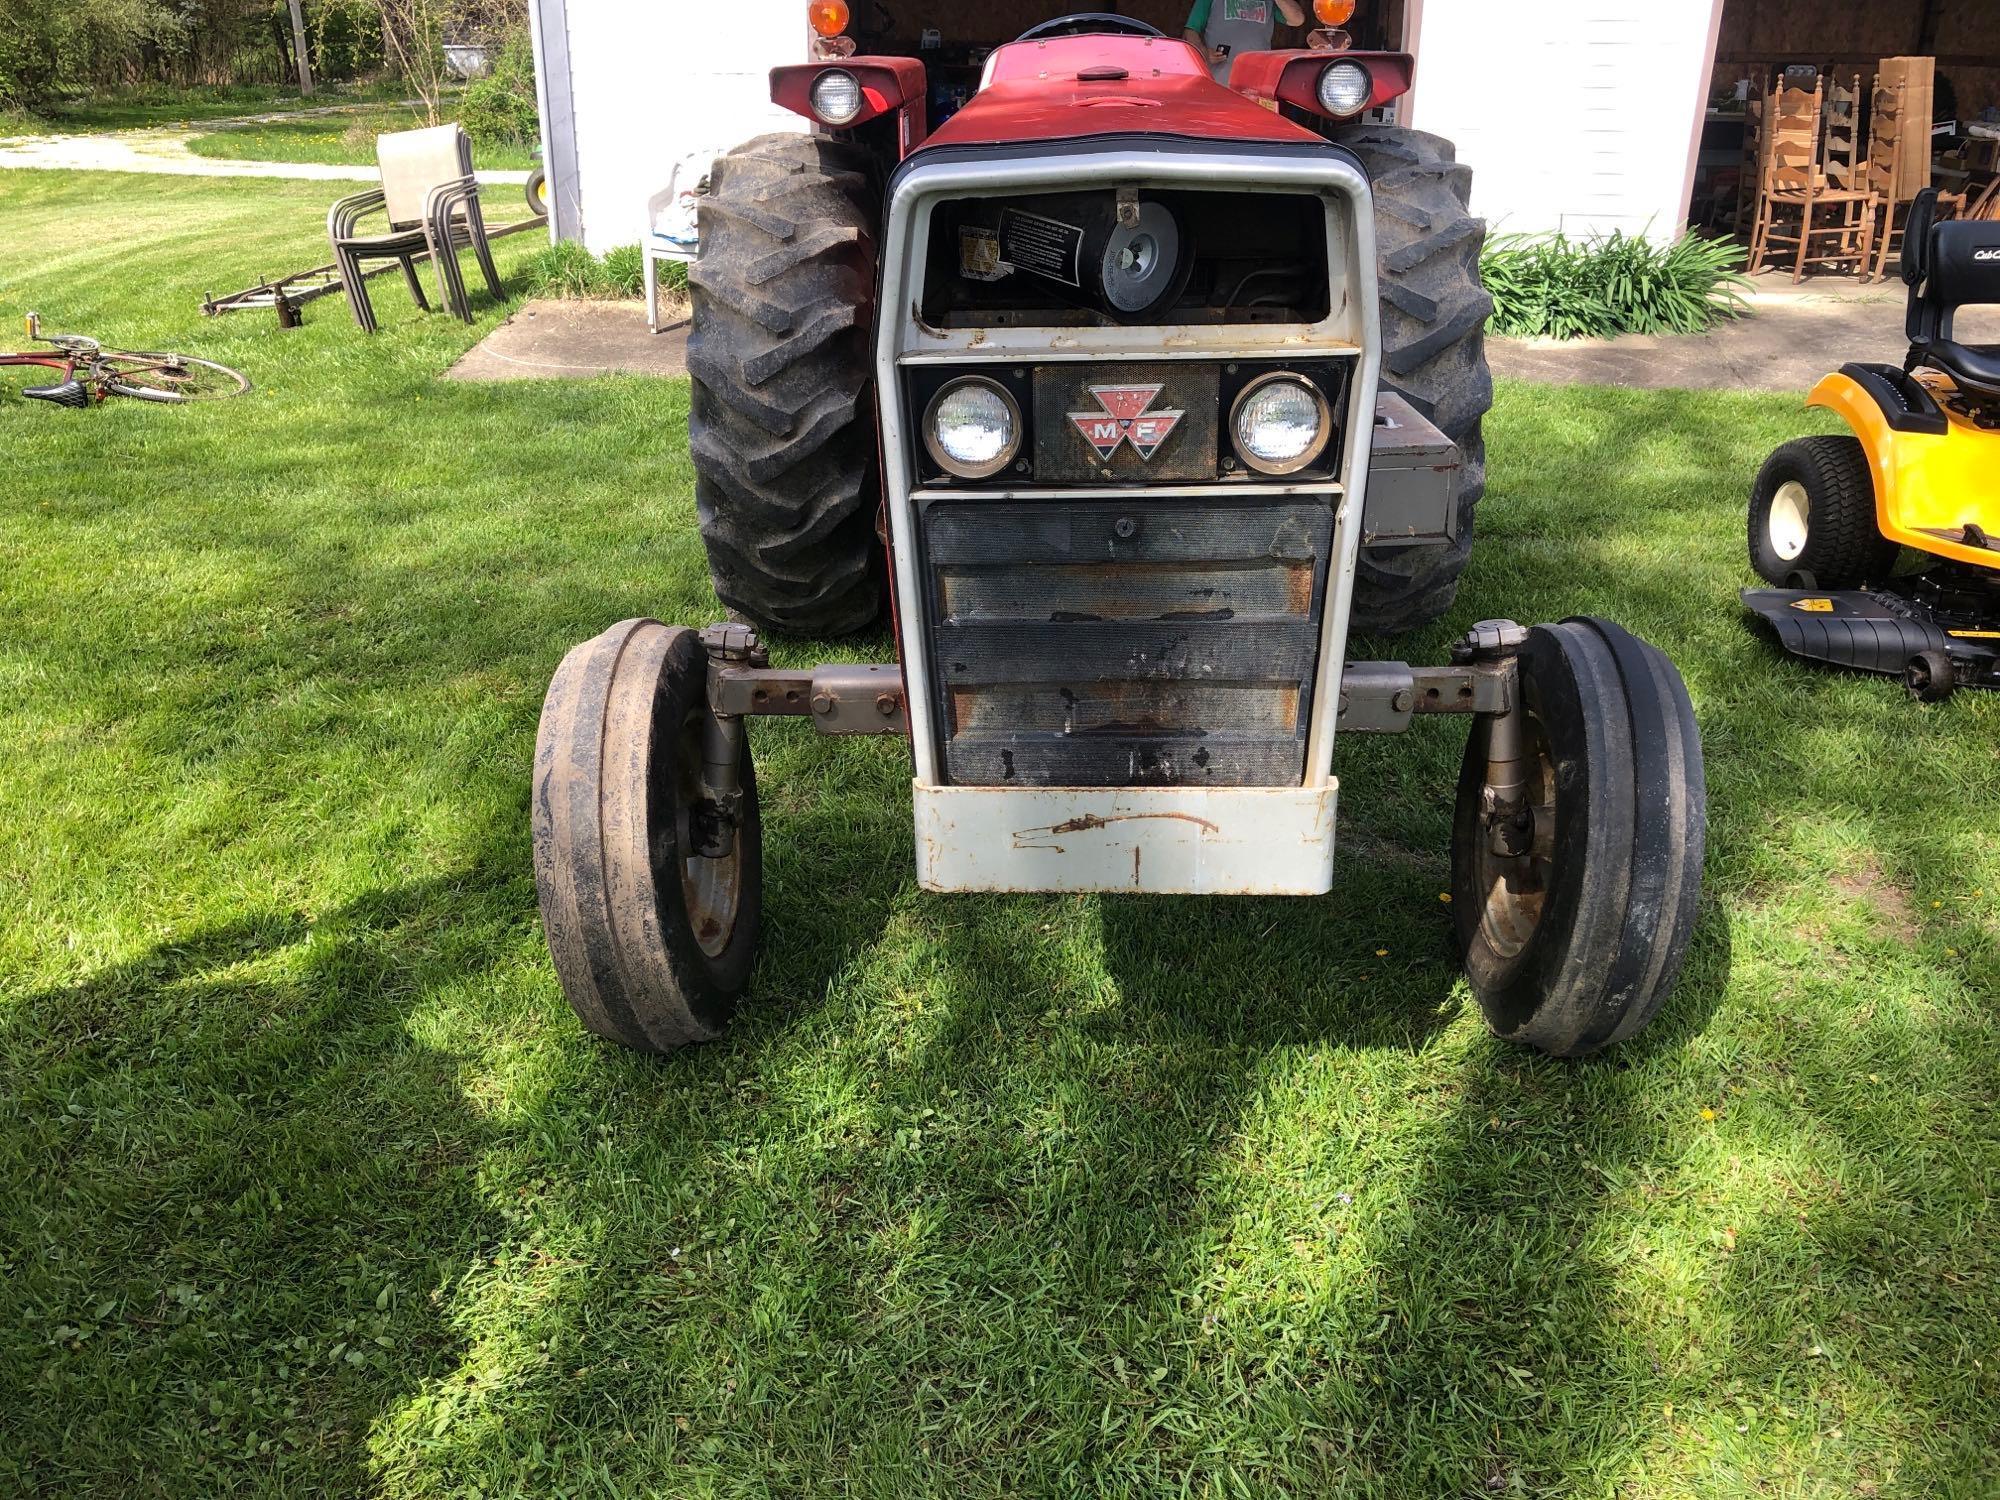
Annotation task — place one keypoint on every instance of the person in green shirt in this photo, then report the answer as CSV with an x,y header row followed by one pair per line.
x,y
1223,28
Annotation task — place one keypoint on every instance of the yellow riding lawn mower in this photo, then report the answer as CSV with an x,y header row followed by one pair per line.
x,y
1831,517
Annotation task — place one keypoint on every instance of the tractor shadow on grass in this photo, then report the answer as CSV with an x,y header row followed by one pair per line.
x,y
240,1178
1209,1207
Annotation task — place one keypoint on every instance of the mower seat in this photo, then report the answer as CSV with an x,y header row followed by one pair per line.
x,y
1949,266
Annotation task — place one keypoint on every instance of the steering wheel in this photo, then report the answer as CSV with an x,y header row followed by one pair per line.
x,y
1091,23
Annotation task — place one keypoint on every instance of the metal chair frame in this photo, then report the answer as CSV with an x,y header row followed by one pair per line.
x,y
451,219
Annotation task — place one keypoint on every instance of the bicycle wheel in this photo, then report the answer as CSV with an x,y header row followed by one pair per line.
x,y
166,377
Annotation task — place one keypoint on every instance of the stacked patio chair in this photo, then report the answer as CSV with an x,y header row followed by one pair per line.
x,y
432,204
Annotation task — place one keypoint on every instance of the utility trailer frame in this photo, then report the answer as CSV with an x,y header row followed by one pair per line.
x,y
289,294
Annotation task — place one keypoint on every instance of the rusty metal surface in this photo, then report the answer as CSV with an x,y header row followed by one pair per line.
x,y
1124,591
1484,688
289,293
1412,484
1381,697
1272,841
1377,697
1135,708
1349,333
1126,641
1149,423
840,697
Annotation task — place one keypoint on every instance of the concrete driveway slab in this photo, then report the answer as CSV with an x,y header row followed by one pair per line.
x,y
559,339
1795,335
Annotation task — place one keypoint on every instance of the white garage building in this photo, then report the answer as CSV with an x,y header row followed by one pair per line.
x,y
1579,115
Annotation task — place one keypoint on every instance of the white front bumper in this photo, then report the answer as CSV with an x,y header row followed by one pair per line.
x,y
1249,841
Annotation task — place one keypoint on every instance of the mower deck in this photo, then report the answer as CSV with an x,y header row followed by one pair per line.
x,y
1880,630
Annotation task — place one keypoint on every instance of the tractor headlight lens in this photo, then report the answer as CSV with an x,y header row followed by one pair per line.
x,y
1281,423
1344,88
973,428
836,96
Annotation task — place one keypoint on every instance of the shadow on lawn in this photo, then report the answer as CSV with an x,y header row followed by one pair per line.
x,y
241,1188
977,1318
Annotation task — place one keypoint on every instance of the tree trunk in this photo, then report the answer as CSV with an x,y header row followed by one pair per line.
x,y
299,49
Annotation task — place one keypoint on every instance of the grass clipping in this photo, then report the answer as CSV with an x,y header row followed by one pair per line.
x,y
1550,286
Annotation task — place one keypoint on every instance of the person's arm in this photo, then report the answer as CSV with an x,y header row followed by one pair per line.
x,y
1197,23
1293,12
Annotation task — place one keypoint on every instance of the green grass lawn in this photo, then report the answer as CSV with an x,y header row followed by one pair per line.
x,y
310,1184
340,140
155,105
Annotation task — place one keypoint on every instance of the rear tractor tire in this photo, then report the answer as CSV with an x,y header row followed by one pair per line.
x,y
653,941
781,421
1575,911
1433,312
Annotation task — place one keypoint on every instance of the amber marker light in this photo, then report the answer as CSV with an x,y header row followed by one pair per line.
x,y
829,17
1333,12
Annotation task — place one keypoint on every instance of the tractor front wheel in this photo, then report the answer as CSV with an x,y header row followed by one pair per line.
x,y
649,903
1433,312
1577,843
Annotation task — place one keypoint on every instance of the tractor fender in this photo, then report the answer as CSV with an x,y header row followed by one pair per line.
x,y
1934,473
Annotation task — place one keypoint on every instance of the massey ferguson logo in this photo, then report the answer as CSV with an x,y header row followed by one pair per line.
x,y
1126,419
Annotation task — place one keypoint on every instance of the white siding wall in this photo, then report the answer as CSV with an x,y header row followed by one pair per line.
x,y
1574,114
656,79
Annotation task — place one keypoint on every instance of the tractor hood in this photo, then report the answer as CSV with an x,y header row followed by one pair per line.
x,y
1067,88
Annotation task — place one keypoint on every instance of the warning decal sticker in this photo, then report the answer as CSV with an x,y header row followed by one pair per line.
x,y
1047,247
979,257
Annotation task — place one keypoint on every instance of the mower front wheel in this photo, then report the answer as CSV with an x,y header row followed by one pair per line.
x,y
653,938
1577,846
1930,676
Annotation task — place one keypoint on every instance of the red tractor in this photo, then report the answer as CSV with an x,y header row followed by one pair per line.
x,y
1138,392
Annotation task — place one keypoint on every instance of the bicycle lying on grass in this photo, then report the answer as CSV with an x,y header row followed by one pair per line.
x,y
90,372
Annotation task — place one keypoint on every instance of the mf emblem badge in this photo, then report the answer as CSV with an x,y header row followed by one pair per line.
x,y
1126,418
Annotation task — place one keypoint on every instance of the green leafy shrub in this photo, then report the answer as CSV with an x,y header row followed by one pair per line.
x,y
1555,287
499,109
566,269
50,48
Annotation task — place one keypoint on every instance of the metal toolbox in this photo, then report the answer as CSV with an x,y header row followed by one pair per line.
x,y
1412,478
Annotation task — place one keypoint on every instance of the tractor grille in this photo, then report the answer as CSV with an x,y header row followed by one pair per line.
x,y
1118,642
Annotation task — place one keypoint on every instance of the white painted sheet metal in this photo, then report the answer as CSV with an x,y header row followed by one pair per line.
x,y
1196,841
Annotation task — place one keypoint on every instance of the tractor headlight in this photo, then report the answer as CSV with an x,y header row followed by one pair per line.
x,y
1345,88
836,96
1281,423
973,428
